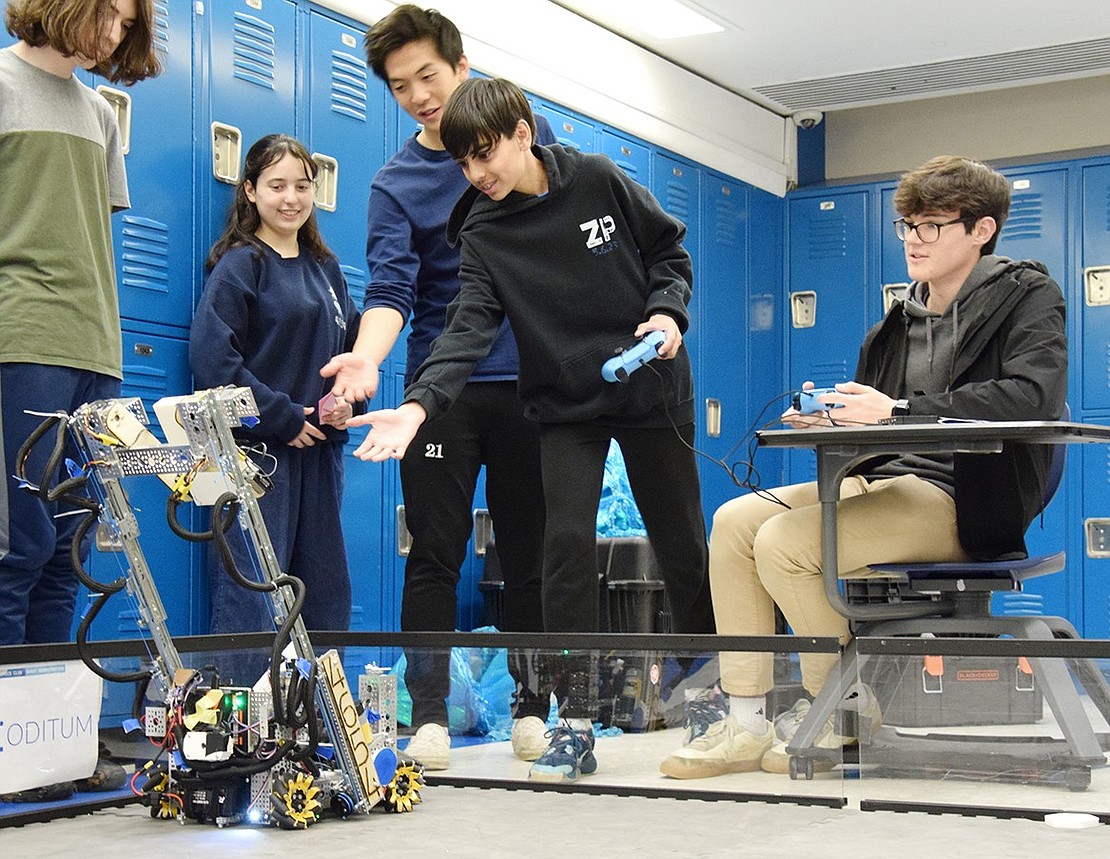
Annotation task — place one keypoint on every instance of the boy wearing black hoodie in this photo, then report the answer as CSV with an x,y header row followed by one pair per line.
x,y
583,262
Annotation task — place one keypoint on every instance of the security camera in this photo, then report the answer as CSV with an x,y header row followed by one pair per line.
x,y
807,118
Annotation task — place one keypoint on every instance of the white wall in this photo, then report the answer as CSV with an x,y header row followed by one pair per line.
x,y
558,55
1009,123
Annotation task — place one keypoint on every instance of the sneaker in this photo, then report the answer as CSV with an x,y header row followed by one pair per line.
x,y
430,746
569,754
529,737
725,747
869,718
703,707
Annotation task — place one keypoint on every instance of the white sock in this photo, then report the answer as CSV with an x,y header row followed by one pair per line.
x,y
579,724
750,713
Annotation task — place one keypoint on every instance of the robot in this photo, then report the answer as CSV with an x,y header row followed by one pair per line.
x,y
295,745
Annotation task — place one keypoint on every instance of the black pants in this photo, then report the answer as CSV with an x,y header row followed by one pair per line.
x,y
486,425
664,480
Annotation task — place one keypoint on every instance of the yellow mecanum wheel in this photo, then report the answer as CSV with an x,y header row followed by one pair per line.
x,y
294,801
403,791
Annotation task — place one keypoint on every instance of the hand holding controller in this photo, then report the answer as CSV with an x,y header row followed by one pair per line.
x,y
617,368
806,402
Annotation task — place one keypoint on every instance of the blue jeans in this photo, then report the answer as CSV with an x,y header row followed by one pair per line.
x,y
38,588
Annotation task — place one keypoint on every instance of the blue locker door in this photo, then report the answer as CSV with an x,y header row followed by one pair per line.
x,y
827,302
154,366
723,288
1037,228
570,129
346,109
1093,349
1092,307
153,239
633,158
677,186
766,333
251,76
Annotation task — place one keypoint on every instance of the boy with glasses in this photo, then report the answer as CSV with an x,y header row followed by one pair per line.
x,y
977,336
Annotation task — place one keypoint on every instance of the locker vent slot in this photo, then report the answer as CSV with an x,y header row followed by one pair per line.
x,y
356,283
348,85
148,381
254,55
828,238
1026,217
145,244
728,222
161,29
677,200
825,375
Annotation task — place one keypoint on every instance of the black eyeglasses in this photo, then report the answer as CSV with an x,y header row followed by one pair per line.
x,y
927,232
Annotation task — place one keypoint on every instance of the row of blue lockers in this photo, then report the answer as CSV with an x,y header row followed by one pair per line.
x,y
247,69
844,266
784,289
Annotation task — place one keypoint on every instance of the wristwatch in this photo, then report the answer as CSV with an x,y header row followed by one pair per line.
x,y
900,407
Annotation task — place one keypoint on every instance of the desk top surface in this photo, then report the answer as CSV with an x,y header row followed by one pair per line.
x,y
946,432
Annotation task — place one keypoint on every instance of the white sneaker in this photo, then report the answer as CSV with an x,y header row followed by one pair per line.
x,y
530,738
859,698
725,747
431,746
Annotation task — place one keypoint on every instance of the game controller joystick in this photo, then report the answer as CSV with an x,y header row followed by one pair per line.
x,y
617,368
806,402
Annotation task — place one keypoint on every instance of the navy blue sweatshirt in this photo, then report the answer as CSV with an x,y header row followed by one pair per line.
x,y
270,324
412,267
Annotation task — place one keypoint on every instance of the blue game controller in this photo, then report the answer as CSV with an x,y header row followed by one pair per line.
x,y
617,368
806,402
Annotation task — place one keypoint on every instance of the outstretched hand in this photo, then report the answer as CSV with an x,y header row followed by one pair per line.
x,y
391,431
356,377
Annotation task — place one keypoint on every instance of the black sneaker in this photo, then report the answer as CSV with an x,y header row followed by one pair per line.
x,y
703,707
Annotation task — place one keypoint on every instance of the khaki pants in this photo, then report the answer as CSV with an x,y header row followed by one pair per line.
x,y
762,554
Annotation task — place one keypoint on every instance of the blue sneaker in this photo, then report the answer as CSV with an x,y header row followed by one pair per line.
x,y
569,754
703,707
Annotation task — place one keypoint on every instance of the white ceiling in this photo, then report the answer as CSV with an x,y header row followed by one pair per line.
x,y
791,55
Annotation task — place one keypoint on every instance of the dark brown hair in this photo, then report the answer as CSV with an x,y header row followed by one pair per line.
x,y
243,219
480,112
953,183
73,27
408,23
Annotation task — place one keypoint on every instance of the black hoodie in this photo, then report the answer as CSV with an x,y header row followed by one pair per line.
x,y
1009,363
576,270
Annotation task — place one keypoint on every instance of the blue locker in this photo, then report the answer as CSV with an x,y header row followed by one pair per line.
x,y
827,301
249,82
153,239
676,184
766,332
154,366
570,129
1093,305
1094,620
633,158
723,288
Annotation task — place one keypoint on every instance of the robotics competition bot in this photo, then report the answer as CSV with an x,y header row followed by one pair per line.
x,y
296,744
617,368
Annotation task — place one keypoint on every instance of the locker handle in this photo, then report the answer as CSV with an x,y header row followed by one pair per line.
x,y
121,106
483,531
327,181
227,149
404,538
712,417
